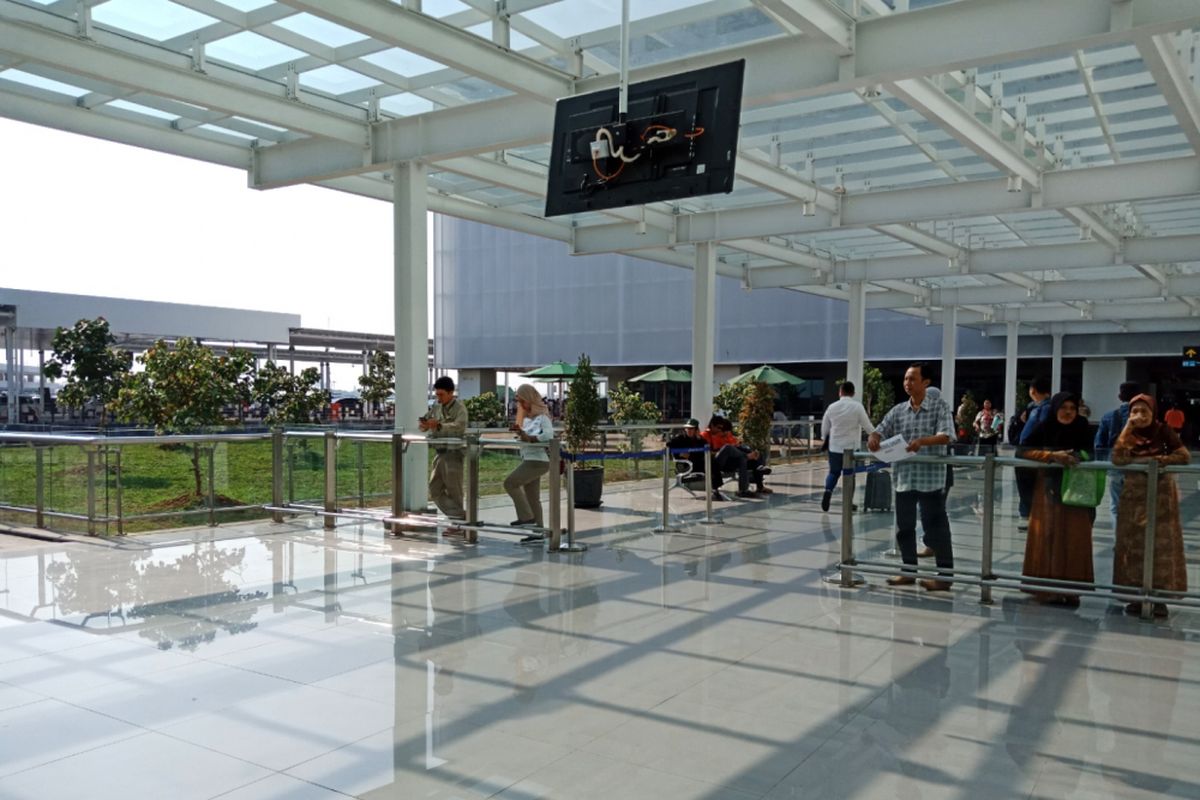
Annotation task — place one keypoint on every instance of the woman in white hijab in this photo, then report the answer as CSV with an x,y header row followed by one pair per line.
x,y
523,484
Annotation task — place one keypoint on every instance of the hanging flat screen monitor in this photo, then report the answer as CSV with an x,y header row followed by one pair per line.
x,y
678,140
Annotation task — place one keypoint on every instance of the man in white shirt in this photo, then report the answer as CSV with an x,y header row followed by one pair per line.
x,y
842,429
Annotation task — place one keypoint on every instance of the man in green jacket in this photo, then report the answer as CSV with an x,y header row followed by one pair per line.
x,y
447,418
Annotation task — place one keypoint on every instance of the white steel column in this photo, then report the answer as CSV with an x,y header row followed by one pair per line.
x,y
856,335
10,371
949,354
1056,362
41,402
704,308
1011,404
412,318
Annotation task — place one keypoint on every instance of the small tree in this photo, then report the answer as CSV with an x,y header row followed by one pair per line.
x,y
729,398
754,420
183,388
380,380
485,410
628,408
878,396
94,369
966,415
284,397
583,408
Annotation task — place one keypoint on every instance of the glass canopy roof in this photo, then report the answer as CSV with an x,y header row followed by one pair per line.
x,y
240,82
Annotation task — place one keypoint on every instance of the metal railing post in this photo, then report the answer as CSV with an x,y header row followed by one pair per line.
x,y
1148,550
120,495
397,478
291,473
40,488
708,488
362,493
571,545
330,479
555,495
277,473
665,527
848,578
474,453
91,491
212,492
989,525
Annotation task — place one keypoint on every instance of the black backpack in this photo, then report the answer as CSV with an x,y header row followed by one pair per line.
x,y
1015,426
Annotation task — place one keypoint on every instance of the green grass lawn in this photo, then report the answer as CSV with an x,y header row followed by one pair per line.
x,y
156,479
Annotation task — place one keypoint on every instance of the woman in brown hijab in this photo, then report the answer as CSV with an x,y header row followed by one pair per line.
x,y
1059,543
1142,441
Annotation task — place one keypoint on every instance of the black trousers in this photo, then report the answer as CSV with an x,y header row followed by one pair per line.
x,y
934,522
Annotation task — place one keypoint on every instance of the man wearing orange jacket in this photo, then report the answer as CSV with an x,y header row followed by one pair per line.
x,y
730,455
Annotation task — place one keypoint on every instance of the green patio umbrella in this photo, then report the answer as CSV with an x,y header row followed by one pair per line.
x,y
559,370
769,375
664,375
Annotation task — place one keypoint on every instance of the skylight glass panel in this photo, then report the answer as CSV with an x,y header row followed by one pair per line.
x,y
568,18
406,104
335,79
154,20
227,132
319,30
516,39
140,109
402,62
251,50
247,5
443,8
38,81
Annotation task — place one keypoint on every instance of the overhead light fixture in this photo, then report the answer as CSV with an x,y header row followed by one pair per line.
x,y
1015,184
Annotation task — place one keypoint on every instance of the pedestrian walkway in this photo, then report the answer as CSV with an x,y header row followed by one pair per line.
x,y
284,661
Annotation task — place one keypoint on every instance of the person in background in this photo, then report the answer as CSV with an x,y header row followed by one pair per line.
x,y
1143,440
523,484
1111,425
1035,414
447,418
924,424
1059,544
728,453
842,429
986,430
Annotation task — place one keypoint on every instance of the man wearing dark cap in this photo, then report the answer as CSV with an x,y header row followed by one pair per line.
x,y
691,438
1111,425
447,418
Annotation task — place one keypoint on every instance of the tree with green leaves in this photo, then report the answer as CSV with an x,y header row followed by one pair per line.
x,y
184,388
878,395
582,419
485,410
284,397
755,417
730,398
94,370
627,407
380,380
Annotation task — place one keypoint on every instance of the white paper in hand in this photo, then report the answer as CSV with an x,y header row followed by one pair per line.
x,y
893,450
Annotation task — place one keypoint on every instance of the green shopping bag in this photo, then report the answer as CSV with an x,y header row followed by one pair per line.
x,y
1083,488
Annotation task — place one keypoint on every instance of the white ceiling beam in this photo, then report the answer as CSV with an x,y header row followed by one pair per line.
x,y
1080,326
446,44
754,170
1142,180
1049,292
914,44
824,24
267,101
919,238
1170,73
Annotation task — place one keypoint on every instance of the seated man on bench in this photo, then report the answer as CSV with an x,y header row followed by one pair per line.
x,y
733,456
688,439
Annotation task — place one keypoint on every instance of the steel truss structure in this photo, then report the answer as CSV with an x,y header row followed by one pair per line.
x,y
1014,160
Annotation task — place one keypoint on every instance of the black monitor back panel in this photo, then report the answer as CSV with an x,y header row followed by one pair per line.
x,y
678,140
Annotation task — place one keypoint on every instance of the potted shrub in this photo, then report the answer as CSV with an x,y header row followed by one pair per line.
x,y
581,423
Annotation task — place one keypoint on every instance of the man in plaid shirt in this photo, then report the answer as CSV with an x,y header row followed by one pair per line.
x,y
926,424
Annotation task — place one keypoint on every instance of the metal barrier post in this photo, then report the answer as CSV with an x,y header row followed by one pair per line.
x,y
665,527
989,524
330,479
397,478
555,495
291,480
845,576
277,473
571,545
474,453
91,491
708,489
39,461
212,492
1148,551
362,495
120,495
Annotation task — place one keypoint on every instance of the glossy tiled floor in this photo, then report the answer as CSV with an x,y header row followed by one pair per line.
x,y
280,661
